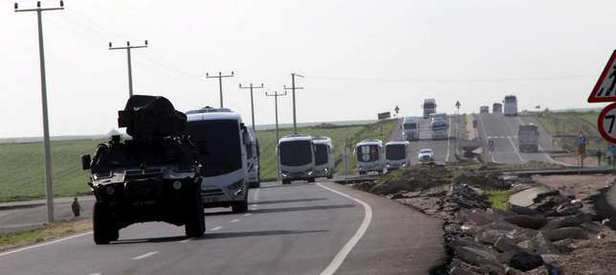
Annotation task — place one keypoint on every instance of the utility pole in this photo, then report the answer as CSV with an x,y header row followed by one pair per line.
x,y
252,102
276,95
293,88
46,142
220,76
128,48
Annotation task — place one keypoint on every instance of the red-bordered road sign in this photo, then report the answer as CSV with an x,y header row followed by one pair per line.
x,y
607,123
605,88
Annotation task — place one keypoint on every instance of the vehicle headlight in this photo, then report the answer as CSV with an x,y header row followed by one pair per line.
x,y
177,185
309,173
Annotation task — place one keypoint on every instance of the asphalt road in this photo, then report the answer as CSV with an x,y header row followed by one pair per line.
x,y
444,149
503,130
292,229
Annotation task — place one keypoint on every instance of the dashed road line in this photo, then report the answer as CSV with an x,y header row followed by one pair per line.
x,y
247,214
140,257
216,228
234,221
185,241
346,249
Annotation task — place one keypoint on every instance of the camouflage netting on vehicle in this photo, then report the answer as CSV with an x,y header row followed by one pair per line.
x,y
151,116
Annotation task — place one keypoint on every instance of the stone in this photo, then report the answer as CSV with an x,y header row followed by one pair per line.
x,y
527,221
524,261
566,233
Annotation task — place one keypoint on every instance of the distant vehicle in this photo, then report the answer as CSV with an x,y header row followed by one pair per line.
x,y
440,129
410,127
370,156
324,163
497,108
511,105
154,176
296,158
429,107
223,140
438,116
484,109
528,138
396,155
253,156
425,156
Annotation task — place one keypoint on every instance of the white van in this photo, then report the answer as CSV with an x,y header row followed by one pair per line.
x,y
370,156
410,126
296,158
396,155
221,138
253,155
323,157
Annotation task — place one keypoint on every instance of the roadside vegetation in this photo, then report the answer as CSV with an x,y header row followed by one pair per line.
x,y
564,127
45,233
23,176
498,199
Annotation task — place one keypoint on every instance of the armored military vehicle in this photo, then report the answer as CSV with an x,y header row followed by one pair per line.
x,y
155,176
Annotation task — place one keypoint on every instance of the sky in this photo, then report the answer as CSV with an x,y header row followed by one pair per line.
x,y
358,57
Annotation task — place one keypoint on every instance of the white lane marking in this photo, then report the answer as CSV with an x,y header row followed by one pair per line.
x,y
44,244
346,249
216,228
151,253
256,196
247,214
95,273
185,241
234,220
515,149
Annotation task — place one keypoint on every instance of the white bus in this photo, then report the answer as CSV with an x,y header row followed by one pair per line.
x,y
370,156
410,126
396,155
440,129
221,138
296,158
511,105
323,157
429,107
254,162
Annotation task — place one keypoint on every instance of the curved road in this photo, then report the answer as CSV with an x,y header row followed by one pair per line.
x,y
294,229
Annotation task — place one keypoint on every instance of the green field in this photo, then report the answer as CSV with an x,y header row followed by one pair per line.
x,y
22,174
570,123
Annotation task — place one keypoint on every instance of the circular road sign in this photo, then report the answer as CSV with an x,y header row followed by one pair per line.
x,y
607,123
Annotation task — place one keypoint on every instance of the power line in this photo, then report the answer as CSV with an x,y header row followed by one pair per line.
x,y
220,76
46,143
252,102
128,49
293,88
441,80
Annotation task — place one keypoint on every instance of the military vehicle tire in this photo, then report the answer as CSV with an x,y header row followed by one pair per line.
x,y
311,180
240,207
195,225
102,225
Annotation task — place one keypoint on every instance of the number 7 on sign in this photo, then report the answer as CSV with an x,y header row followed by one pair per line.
x,y
612,118
607,122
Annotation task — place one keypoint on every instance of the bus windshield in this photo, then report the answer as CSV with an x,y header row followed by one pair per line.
x,y
295,153
219,145
320,154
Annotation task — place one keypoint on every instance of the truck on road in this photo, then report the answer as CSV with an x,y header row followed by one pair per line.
x,y
410,127
429,107
511,105
484,109
222,139
528,138
155,176
370,156
296,158
324,163
497,108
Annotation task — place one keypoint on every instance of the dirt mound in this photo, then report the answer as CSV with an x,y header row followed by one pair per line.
x,y
416,178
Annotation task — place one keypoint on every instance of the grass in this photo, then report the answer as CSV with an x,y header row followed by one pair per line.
x,y
45,233
558,123
499,199
22,176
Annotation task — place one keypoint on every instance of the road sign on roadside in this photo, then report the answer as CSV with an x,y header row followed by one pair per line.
x,y
605,88
384,115
607,123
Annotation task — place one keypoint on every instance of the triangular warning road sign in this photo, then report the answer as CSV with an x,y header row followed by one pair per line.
x,y
605,89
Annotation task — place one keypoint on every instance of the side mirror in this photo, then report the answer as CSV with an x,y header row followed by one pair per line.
x,y
86,162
